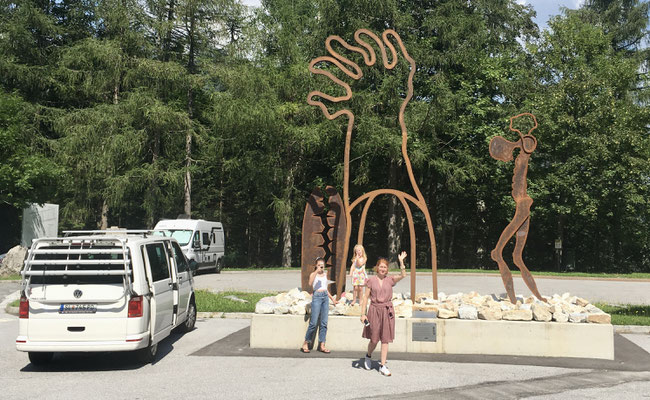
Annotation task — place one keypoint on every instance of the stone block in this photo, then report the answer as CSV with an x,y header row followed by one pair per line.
x,y
599,318
467,312
490,313
578,317
518,315
560,316
541,312
446,314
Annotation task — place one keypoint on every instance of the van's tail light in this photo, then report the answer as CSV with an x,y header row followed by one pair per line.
x,y
135,307
23,311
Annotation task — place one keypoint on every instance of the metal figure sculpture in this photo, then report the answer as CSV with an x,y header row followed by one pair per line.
x,y
323,234
502,150
369,57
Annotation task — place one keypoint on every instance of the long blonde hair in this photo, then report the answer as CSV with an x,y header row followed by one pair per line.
x,y
363,252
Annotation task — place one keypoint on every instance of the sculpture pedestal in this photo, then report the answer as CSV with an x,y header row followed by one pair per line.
x,y
452,336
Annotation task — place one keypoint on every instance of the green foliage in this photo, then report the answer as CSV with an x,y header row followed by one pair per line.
x,y
27,173
108,107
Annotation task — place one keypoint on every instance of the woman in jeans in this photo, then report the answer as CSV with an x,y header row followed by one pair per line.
x,y
320,306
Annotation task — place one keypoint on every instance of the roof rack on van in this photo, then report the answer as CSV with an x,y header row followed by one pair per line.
x,y
78,256
143,232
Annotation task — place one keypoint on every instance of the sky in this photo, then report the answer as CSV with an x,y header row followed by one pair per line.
x,y
545,8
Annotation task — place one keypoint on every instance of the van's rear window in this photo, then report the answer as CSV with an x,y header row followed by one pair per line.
x,y
92,278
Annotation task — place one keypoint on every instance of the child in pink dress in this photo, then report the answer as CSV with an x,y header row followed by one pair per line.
x,y
358,272
380,315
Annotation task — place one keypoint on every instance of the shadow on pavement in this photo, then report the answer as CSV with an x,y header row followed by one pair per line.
x,y
101,361
628,356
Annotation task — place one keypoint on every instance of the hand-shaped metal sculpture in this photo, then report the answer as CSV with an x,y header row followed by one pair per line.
x,y
502,149
342,63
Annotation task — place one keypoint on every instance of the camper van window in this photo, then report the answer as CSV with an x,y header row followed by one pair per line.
x,y
181,262
158,261
183,236
206,238
196,241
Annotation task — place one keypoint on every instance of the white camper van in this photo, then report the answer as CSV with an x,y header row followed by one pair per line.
x,y
103,291
202,241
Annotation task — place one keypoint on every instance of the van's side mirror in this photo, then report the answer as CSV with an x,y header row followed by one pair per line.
x,y
194,266
196,244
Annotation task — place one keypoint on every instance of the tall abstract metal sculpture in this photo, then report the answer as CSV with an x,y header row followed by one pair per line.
x,y
323,234
502,150
342,63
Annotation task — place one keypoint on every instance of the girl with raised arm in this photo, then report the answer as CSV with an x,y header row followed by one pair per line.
x,y
379,319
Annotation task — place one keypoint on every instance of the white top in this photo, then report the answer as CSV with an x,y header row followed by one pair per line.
x,y
320,283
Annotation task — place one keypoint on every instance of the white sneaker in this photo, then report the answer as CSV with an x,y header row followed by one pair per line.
x,y
367,364
384,370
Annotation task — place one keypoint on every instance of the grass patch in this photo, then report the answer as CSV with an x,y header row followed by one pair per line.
x,y
11,277
634,275
216,302
15,303
627,314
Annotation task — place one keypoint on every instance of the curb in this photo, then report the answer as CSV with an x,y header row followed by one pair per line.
x,y
638,329
232,315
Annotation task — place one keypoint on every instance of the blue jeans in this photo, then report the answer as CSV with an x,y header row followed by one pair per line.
x,y
320,306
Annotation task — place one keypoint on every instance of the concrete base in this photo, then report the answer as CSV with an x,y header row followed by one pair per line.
x,y
453,336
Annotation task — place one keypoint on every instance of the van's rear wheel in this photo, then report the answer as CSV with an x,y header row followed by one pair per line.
x,y
148,354
218,266
40,358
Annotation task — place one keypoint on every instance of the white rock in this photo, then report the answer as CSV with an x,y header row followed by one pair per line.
x,y
13,261
404,311
265,307
526,306
541,312
600,318
445,313
518,315
490,313
297,309
467,312
507,305
235,298
294,292
578,317
560,317
281,309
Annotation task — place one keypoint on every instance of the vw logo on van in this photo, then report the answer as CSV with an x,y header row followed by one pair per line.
x,y
77,293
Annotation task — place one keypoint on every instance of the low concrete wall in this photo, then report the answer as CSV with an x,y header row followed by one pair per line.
x,y
453,336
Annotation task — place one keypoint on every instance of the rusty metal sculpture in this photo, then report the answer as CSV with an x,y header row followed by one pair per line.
x,y
369,57
502,150
323,234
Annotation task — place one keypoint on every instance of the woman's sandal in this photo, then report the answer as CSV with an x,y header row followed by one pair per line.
x,y
322,349
303,350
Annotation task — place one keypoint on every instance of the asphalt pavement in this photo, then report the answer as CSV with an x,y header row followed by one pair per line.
x,y
214,361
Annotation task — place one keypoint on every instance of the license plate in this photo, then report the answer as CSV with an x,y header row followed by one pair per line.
x,y
78,309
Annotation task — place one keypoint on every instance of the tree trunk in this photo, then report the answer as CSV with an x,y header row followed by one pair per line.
x,y
168,37
286,222
190,113
394,219
103,225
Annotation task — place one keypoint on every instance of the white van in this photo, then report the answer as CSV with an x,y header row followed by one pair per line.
x,y
201,241
103,291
